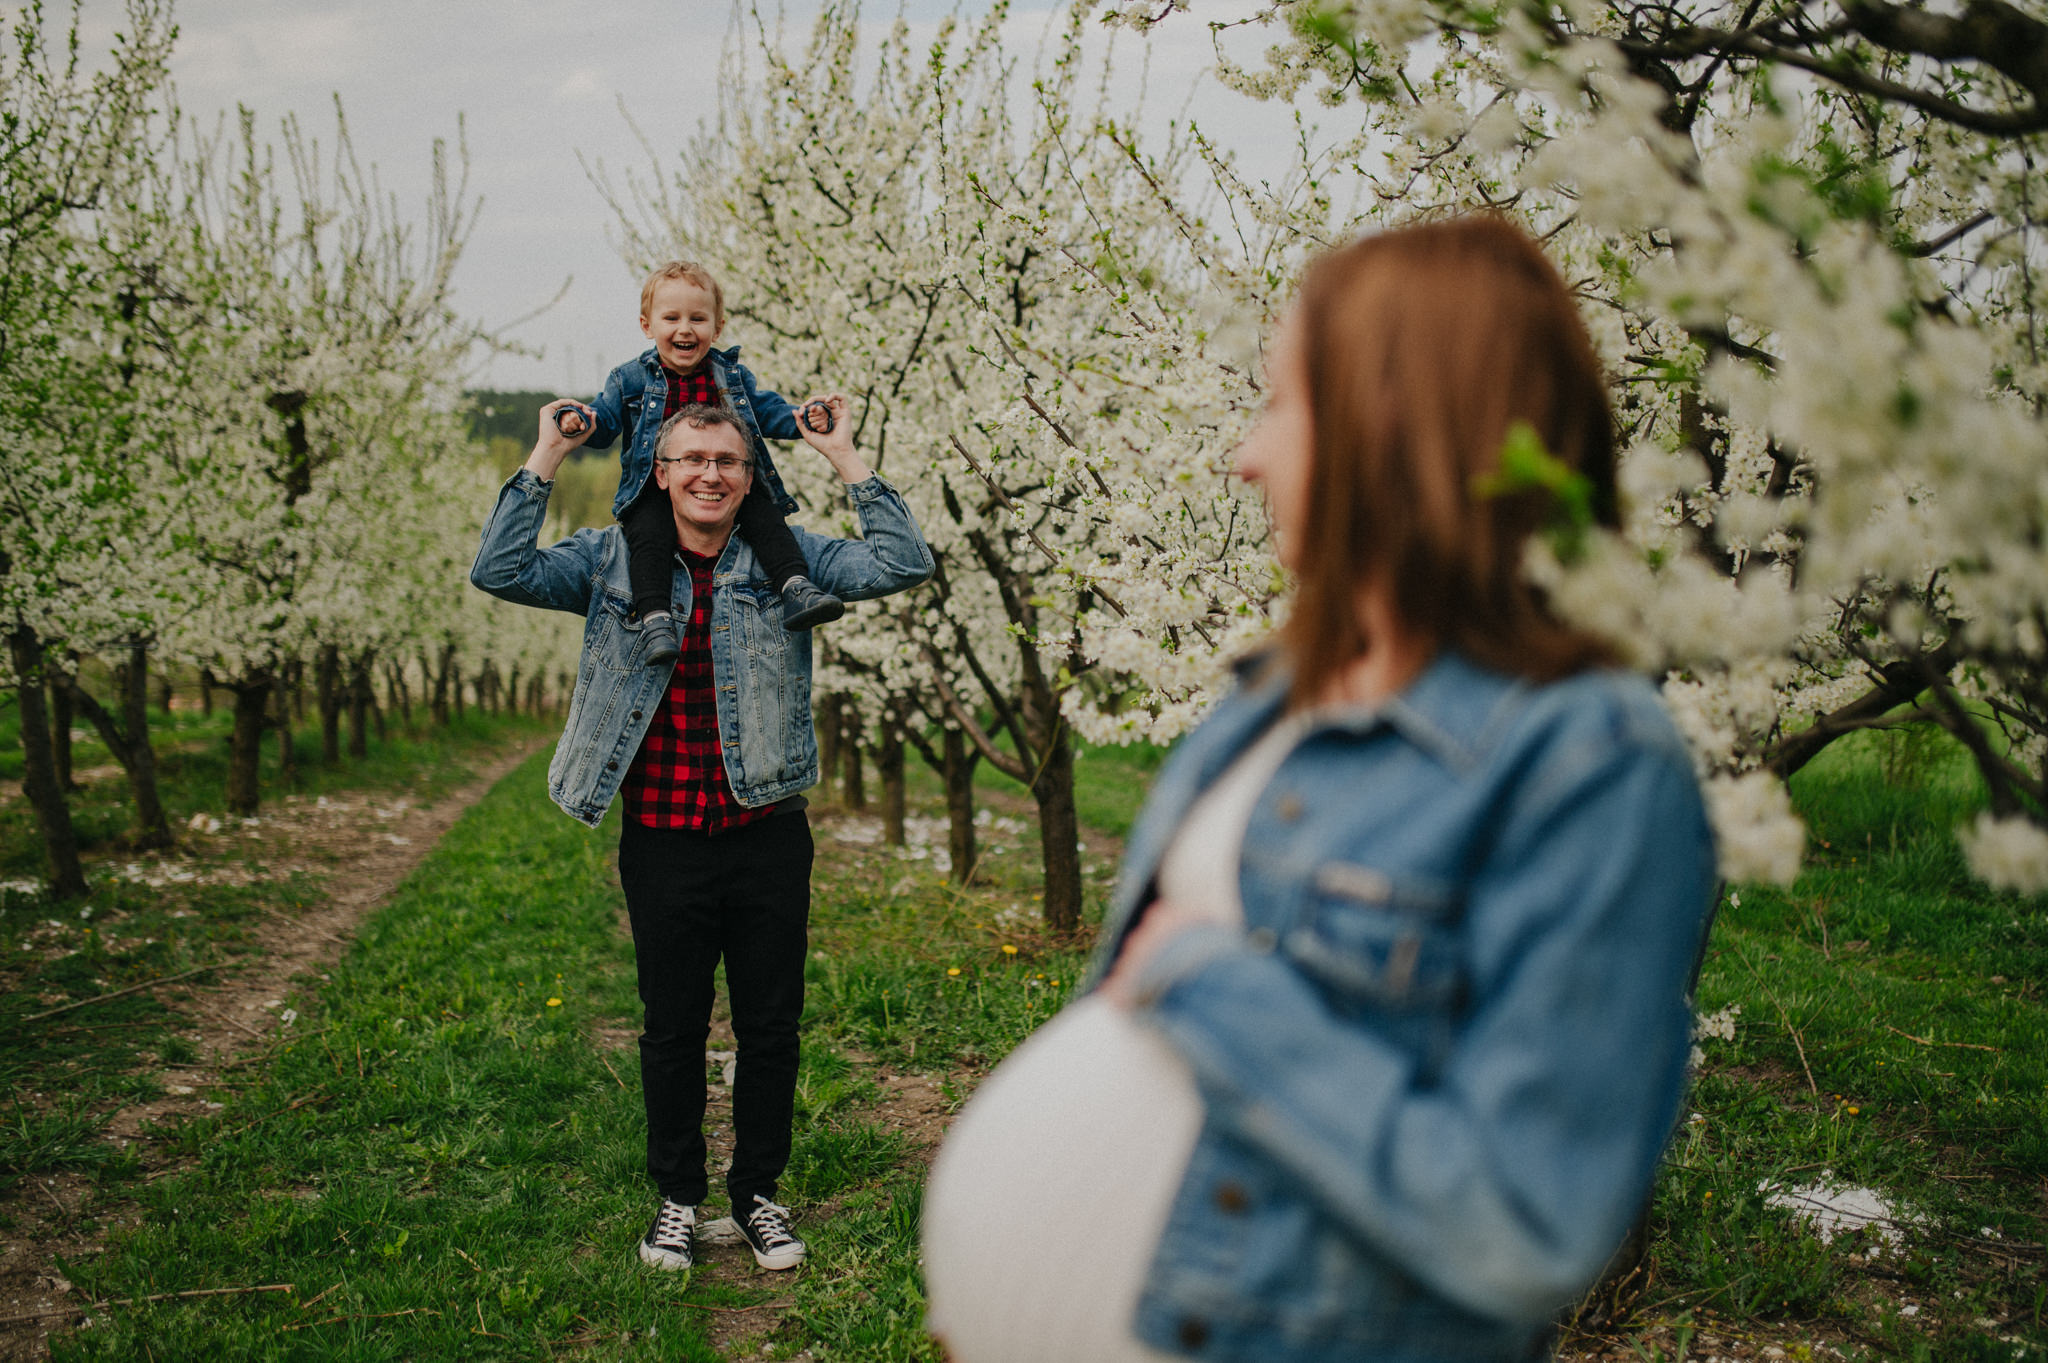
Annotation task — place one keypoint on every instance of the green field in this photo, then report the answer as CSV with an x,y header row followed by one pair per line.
x,y
445,1162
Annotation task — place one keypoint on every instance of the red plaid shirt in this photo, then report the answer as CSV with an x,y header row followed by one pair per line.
x,y
677,779
684,389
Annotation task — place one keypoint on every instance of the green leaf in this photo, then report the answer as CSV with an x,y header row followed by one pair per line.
x,y
1526,466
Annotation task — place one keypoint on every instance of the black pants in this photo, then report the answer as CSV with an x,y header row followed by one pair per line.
x,y
744,895
650,529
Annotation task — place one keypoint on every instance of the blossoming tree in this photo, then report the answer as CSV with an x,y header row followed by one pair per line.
x,y
1810,240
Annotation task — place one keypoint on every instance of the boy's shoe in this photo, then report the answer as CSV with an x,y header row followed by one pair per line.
x,y
767,1233
660,629
809,605
667,1244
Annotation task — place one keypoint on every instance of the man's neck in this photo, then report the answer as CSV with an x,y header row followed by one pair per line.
x,y
699,542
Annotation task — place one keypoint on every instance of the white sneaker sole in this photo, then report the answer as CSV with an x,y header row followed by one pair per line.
x,y
786,1258
725,1231
667,1260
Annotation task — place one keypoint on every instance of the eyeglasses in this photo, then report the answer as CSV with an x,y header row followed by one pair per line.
x,y
697,463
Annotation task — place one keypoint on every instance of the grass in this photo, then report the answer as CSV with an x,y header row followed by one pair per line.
x,y
1893,1036
61,1074
450,1160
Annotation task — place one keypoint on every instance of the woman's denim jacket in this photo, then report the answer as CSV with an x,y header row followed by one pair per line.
x,y
761,670
632,401
1441,1056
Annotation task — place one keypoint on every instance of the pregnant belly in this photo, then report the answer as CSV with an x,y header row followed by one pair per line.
x,y
1051,1190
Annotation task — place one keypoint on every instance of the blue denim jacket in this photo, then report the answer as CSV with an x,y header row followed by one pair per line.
x,y
1441,1057
638,385
762,671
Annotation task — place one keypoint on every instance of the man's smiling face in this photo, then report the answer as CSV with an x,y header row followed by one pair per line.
x,y
706,499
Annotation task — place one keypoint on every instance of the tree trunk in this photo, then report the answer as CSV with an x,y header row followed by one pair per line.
x,y
889,765
510,700
163,691
245,741
206,685
287,751
828,716
961,760
438,705
39,777
853,786
140,758
128,740
327,681
60,721
455,682
398,690
361,696
1059,826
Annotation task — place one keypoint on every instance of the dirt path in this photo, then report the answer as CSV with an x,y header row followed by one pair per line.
x,y
365,843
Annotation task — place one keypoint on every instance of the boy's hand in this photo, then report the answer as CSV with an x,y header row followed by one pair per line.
x,y
554,443
836,444
573,418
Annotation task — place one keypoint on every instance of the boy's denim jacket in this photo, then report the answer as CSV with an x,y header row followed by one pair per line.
x,y
762,671
1440,1058
637,386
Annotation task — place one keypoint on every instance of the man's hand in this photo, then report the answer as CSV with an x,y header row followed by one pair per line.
x,y
553,446
837,445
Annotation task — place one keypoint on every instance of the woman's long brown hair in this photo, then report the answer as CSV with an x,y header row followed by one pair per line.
x,y
1424,346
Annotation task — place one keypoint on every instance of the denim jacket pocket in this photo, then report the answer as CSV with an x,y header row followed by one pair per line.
x,y
613,638
757,618
1378,942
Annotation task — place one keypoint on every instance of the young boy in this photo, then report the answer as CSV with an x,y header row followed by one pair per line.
x,y
682,310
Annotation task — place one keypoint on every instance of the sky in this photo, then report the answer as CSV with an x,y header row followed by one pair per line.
x,y
536,85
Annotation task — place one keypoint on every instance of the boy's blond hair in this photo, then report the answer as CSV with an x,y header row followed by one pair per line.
x,y
696,274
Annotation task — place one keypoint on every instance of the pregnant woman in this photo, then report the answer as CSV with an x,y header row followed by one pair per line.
x,y
1388,1025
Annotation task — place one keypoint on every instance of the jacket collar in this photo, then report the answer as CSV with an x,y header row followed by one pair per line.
x,y
1452,710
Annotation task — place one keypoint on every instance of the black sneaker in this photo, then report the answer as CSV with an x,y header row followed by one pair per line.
x,y
668,1241
766,1231
809,605
660,629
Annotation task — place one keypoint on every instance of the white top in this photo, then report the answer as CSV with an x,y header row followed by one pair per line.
x,y
1055,1182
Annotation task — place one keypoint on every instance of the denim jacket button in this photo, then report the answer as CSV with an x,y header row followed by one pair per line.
x,y
611,766
1231,1196
1289,808
1193,1332
636,714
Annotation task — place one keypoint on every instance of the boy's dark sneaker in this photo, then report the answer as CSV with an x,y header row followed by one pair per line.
x,y
767,1233
809,605
668,1242
660,629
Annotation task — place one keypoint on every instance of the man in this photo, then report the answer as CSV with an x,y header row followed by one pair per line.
x,y
711,755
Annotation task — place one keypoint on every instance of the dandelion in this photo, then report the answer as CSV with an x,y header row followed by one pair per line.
x,y
1855,1111
1009,950
952,970
554,1003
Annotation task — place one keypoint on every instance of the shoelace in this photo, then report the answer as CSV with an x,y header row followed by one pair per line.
x,y
672,1224
771,1222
